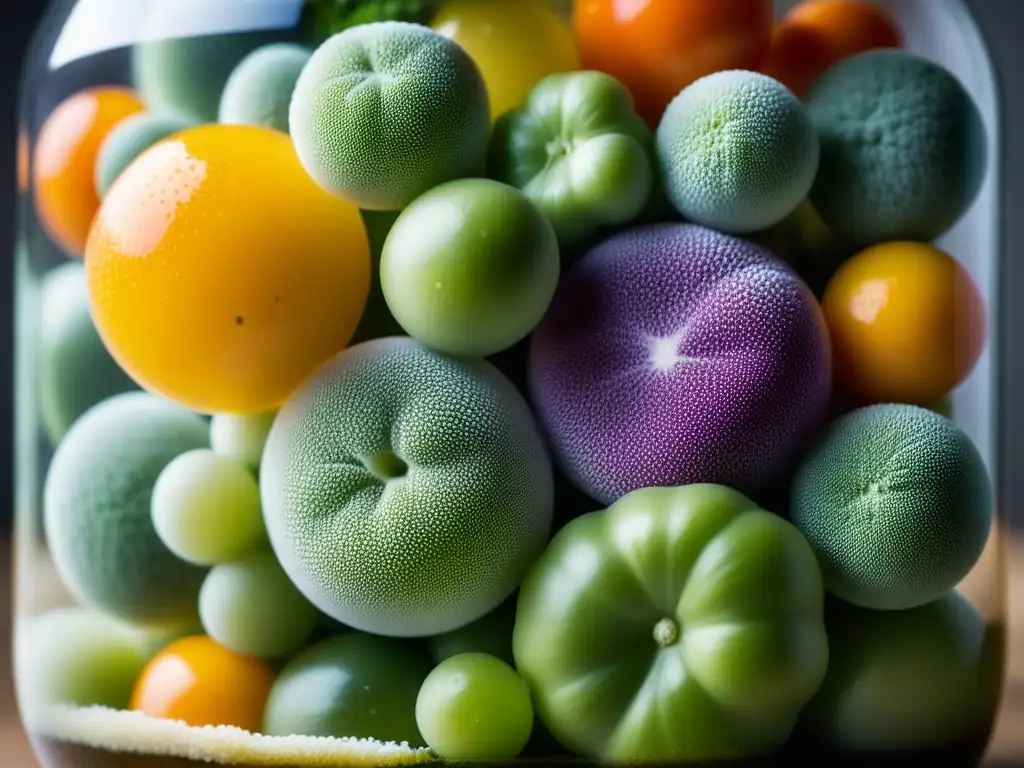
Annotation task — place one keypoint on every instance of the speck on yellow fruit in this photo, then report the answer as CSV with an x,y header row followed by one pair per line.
x,y
196,681
515,43
907,323
64,161
220,274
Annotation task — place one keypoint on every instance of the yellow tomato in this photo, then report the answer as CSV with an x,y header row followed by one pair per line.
x,y
220,274
515,43
64,161
907,323
196,681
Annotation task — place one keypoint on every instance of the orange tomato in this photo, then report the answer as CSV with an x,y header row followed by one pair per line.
x,y
198,682
818,34
64,161
907,323
658,47
220,274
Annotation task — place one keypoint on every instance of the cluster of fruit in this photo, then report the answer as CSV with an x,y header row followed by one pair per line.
x,y
527,421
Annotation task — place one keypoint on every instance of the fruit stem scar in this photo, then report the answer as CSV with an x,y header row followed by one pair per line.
x,y
386,466
666,632
558,148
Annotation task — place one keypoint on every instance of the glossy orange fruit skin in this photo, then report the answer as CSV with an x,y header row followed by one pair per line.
x,y
658,47
200,683
220,274
64,161
818,34
907,324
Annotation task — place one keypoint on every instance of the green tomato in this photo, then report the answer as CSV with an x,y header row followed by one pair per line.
x,y
77,657
579,151
917,679
680,624
251,607
470,267
356,685
206,508
474,706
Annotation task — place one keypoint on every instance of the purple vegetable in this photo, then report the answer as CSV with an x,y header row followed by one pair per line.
x,y
675,354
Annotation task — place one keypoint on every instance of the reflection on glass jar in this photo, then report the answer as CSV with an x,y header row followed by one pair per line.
x,y
404,381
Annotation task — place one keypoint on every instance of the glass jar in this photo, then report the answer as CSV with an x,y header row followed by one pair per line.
x,y
265,481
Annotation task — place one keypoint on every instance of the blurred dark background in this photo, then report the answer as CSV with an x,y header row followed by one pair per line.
x,y
17,22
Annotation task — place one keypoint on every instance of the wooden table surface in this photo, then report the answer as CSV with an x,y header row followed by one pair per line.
x,y
1007,747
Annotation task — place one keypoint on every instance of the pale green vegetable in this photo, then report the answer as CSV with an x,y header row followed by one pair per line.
x,y
474,706
241,437
206,508
251,607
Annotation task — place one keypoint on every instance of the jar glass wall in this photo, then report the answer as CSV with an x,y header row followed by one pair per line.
x,y
414,380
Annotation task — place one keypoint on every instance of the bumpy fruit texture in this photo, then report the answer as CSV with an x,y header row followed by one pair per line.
x,y
352,685
75,369
64,161
904,680
323,18
206,508
220,274
908,161
514,44
470,267
680,624
259,90
658,47
76,657
251,607
96,507
817,35
128,140
473,706
907,323
185,76
384,112
198,682
897,503
431,475
387,537
738,151
675,354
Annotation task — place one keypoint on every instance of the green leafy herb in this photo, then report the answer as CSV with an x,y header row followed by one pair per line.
x,y
323,18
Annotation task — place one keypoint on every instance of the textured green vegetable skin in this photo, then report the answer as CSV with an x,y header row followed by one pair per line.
x,y
75,369
406,492
579,151
97,516
384,112
185,76
897,502
740,587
